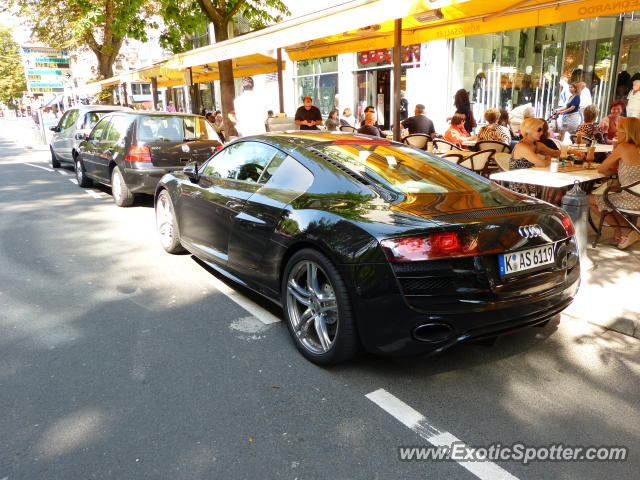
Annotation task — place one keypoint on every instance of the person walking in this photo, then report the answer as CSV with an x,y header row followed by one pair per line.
x,y
246,106
308,116
571,117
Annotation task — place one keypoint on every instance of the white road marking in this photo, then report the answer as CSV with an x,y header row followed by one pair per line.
x,y
257,311
63,172
94,194
38,166
419,424
73,180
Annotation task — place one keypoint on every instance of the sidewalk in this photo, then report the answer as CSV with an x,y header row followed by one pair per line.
x,y
22,132
609,295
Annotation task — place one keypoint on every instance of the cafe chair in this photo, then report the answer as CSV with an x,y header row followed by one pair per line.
x,y
442,145
453,157
629,216
503,160
417,140
478,162
585,140
499,147
347,128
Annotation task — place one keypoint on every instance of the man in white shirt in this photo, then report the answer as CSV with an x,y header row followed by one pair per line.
x,y
249,110
585,97
633,100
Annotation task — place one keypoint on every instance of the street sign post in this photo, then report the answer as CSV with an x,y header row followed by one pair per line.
x,y
47,69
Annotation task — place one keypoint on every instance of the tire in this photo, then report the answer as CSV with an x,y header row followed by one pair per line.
x,y
166,224
55,163
323,308
121,193
81,175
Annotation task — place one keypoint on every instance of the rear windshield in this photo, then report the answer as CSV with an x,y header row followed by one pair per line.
x,y
404,169
169,128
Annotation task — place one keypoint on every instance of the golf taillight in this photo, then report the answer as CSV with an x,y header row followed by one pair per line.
x,y
435,245
568,225
139,153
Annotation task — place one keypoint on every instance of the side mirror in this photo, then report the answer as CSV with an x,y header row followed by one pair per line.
x,y
81,136
191,171
55,128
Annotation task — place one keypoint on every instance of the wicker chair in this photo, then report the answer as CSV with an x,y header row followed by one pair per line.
x,y
499,147
417,140
478,162
442,145
502,160
629,216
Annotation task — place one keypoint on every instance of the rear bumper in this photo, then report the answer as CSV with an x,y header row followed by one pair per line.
x,y
145,180
386,322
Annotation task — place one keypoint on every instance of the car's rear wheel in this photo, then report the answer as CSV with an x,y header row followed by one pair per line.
x,y
121,193
166,224
55,163
317,309
81,174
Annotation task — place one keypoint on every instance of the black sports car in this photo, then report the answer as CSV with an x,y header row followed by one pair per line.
x,y
371,243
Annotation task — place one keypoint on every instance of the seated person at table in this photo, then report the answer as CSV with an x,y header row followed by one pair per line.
x,y
494,132
504,122
368,128
524,153
625,162
456,133
546,146
589,128
609,124
419,123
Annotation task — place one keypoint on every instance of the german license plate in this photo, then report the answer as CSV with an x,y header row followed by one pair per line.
x,y
517,262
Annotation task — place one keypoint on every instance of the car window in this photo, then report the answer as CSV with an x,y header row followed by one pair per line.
x,y
403,168
91,118
118,129
197,128
69,118
99,129
244,161
286,173
160,128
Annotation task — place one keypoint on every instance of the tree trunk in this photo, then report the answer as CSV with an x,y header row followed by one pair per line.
x,y
227,93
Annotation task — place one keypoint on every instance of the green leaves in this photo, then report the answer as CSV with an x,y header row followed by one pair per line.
x,y
12,79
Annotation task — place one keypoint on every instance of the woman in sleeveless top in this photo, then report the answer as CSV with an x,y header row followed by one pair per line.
x,y
524,153
609,124
625,162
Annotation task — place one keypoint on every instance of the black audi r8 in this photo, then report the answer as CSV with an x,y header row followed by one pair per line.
x,y
370,243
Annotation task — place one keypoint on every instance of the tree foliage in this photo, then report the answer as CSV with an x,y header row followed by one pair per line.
x,y
12,79
183,17
100,25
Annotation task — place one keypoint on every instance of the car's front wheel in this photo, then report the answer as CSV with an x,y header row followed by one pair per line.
x,y
317,309
121,193
166,224
81,174
55,163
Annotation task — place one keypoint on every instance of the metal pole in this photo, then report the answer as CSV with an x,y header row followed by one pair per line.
x,y
154,92
280,82
397,72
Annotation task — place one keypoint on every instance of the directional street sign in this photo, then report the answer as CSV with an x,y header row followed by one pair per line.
x,y
47,69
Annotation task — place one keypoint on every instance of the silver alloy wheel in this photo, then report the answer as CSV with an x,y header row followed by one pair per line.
x,y
311,302
164,221
116,185
79,172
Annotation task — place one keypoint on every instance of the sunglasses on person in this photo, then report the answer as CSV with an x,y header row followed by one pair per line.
x,y
539,130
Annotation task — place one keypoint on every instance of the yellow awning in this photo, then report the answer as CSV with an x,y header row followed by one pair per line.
x,y
459,19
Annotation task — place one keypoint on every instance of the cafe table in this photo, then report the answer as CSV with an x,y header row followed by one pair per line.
x,y
600,148
553,185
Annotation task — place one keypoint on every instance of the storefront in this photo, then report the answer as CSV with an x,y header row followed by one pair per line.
x,y
317,78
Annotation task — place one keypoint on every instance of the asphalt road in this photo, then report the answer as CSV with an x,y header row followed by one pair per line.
x,y
120,361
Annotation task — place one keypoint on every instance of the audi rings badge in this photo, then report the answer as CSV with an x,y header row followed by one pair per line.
x,y
530,231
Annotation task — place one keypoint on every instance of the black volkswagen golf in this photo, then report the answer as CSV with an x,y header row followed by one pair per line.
x,y
131,151
369,243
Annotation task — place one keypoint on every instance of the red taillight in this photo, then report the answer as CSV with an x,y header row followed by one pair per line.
x,y
436,245
218,147
568,225
139,153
